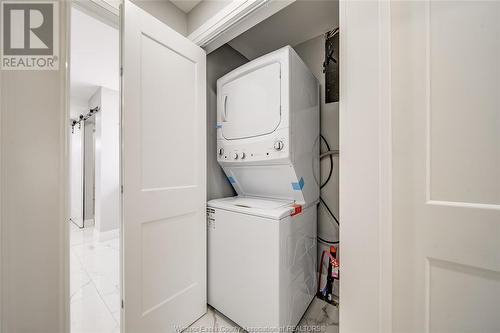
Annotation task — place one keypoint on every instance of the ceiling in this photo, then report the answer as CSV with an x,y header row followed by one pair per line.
x,y
297,23
94,55
185,5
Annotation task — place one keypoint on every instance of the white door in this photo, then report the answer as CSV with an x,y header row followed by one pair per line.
x,y
446,166
250,105
163,176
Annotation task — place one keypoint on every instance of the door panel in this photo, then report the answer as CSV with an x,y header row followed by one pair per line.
x,y
465,89
446,168
163,157
163,71
250,104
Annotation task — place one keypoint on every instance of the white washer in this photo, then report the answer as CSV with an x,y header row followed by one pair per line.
x,y
261,261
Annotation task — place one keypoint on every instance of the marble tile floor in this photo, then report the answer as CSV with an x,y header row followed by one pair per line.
x,y
95,293
320,317
94,283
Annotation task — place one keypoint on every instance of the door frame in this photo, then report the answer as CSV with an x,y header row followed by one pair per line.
x,y
366,234
365,136
234,19
100,10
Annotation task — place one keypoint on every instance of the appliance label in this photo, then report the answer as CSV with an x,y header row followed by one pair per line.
x,y
211,218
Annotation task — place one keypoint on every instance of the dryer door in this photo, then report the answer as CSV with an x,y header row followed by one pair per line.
x,y
249,105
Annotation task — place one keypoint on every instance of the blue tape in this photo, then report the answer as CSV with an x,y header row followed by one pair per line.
x,y
298,185
231,180
218,126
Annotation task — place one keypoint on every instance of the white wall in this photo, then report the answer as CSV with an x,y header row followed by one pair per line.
x,y
77,106
219,62
107,160
33,194
296,23
166,12
312,53
95,55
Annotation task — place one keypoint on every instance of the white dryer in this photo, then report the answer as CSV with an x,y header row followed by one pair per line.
x,y
268,128
262,243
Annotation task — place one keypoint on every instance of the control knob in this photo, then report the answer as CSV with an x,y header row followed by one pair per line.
x,y
242,156
221,151
278,145
234,156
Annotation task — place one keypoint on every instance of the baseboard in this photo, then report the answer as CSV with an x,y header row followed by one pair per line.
x,y
108,235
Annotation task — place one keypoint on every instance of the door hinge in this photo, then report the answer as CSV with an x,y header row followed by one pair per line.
x,y
122,304
121,188
121,71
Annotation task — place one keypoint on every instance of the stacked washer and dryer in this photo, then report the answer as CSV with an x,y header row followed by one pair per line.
x,y
262,243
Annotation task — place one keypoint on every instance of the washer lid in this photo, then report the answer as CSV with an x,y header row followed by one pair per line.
x,y
269,208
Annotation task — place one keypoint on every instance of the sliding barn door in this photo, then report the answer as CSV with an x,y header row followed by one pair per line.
x,y
163,175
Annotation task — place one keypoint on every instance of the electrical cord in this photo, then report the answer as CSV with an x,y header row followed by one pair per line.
x,y
331,163
327,241
329,211
330,154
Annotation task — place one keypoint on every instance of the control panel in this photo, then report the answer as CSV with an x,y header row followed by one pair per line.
x,y
252,151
